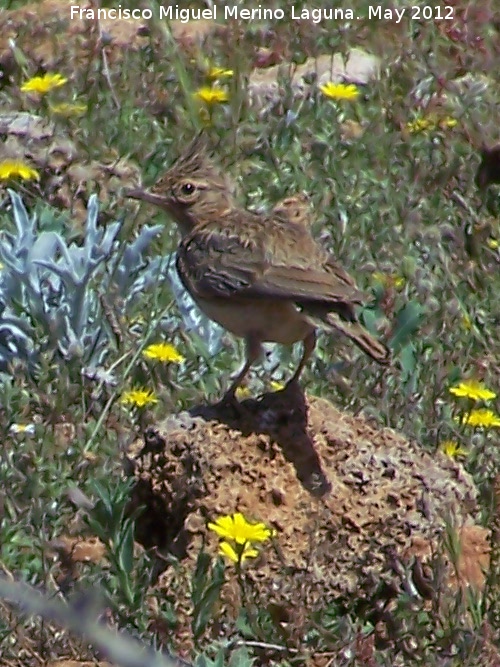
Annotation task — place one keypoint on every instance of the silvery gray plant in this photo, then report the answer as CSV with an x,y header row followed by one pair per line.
x,y
50,291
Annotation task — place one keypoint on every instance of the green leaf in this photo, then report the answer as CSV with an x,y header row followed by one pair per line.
x,y
126,548
243,626
203,661
200,576
202,612
407,323
240,658
378,291
369,318
206,599
408,361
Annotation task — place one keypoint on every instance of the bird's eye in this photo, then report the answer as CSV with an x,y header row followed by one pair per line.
x,y
188,189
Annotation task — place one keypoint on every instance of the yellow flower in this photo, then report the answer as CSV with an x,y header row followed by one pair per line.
x,y
466,322
431,122
13,168
389,280
472,389
452,449
236,527
242,392
211,95
398,282
139,397
447,123
419,125
163,352
43,84
276,386
340,91
238,555
215,73
67,110
493,244
480,419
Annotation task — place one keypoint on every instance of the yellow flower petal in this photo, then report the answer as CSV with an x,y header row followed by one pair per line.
x,y
235,527
447,123
164,352
389,280
419,125
139,397
277,386
242,392
16,168
340,91
215,73
472,389
211,95
480,419
431,122
43,84
466,322
226,549
452,449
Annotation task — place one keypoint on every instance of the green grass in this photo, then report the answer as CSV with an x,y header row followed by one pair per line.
x,y
383,203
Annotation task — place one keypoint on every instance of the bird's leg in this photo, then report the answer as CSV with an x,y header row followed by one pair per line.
x,y
309,343
253,352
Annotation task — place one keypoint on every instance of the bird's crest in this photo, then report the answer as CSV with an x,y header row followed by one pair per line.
x,y
195,162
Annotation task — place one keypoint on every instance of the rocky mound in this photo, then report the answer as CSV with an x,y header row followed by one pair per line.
x,y
354,507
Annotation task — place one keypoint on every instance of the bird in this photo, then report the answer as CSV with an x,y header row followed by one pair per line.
x,y
263,277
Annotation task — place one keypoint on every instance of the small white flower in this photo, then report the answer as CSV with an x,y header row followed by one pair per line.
x,y
27,429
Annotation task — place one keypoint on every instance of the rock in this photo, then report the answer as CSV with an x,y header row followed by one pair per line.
x,y
64,178
357,66
350,502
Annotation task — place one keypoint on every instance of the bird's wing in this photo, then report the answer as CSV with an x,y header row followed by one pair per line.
x,y
224,264
339,272
218,265
305,285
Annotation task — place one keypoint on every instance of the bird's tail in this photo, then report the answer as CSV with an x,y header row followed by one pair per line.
x,y
360,336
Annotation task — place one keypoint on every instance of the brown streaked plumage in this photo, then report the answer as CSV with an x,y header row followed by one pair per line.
x,y
262,277
296,209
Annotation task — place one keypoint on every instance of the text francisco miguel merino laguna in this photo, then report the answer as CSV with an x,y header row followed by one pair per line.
x,y
259,13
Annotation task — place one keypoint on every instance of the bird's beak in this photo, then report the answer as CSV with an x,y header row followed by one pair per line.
x,y
147,196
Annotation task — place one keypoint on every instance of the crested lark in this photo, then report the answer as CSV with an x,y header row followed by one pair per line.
x,y
262,277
